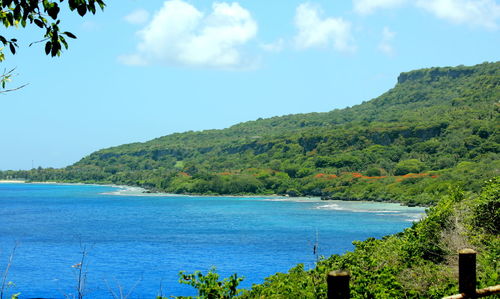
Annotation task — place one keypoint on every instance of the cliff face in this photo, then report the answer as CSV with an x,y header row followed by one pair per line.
x,y
433,74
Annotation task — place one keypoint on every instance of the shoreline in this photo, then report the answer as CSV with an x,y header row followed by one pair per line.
x,y
140,191
357,206
126,190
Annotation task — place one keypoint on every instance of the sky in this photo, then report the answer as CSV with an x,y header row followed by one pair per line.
x,y
144,69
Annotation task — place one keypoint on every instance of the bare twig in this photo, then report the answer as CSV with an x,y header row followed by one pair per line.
x,y
82,275
6,272
38,41
120,289
5,77
13,89
160,291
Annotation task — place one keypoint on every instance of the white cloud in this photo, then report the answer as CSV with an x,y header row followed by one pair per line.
x,y
180,34
317,32
366,7
276,46
482,13
132,59
137,17
385,45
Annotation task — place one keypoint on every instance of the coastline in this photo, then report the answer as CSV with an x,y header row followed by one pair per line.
x,y
140,191
357,206
126,190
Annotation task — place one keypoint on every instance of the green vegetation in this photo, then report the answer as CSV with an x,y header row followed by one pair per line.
x,y
436,128
420,262
209,286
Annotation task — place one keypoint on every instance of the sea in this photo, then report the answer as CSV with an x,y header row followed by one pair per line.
x,y
134,244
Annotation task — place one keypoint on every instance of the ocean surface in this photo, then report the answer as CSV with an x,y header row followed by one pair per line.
x,y
138,244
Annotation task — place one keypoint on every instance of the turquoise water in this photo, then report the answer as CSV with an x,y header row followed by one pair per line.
x,y
140,243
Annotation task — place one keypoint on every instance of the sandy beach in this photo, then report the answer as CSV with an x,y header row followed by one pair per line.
x,y
12,182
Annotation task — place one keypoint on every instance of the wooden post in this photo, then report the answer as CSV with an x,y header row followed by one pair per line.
x,y
467,272
338,285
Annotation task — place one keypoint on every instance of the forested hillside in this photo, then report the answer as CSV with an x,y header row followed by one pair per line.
x,y
435,128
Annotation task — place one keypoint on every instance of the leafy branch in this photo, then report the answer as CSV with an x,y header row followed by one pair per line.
x,y
5,77
45,15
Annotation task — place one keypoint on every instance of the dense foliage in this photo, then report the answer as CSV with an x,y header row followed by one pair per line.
x,y
45,15
435,128
209,285
420,262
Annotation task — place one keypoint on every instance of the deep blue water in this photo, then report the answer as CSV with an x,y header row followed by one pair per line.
x,y
144,241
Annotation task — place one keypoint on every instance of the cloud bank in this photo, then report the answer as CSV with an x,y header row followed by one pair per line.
x,y
481,13
317,32
137,17
476,13
365,7
180,34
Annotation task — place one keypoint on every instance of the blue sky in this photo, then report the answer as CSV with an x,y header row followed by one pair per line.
x,y
144,69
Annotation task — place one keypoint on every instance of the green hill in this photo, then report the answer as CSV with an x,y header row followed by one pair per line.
x,y
436,127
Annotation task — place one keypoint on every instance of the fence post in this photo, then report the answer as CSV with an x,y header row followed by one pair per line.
x,y
338,285
467,272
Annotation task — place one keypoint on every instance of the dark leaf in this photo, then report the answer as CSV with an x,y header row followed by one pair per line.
x,y
101,4
69,34
39,23
46,4
55,49
26,13
63,41
82,10
48,47
72,4
53,11
17,13
12,48
91,8
10,19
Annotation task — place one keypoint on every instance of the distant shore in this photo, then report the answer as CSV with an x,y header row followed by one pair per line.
x,y
126,190
139,191
12,182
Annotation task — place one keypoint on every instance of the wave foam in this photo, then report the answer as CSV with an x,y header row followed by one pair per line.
x,y
330,206
336,207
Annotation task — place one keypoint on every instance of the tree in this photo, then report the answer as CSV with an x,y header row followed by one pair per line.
x,y
45,15
409,166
